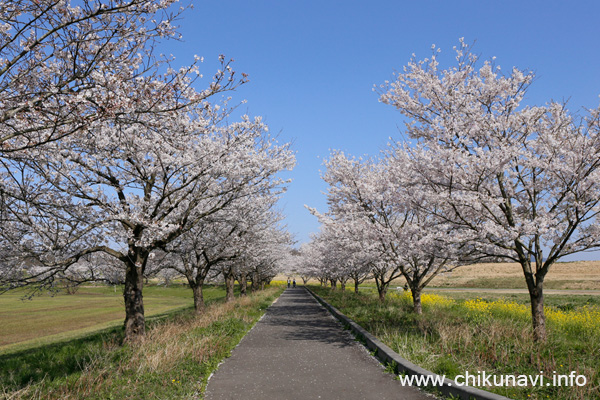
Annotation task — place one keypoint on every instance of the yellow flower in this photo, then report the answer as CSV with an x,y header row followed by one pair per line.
x,y
436,300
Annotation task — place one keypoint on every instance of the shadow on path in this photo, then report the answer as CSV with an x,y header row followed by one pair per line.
x,y
300,318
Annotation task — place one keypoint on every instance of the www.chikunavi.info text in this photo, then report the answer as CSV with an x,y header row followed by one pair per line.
x,y
483,379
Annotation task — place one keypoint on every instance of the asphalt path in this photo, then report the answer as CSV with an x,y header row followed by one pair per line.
x,y
299,351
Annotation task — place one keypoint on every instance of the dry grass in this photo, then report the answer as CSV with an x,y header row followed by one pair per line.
x,y
562,275
167,345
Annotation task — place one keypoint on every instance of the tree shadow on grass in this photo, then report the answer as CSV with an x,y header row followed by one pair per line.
x,y
53,361
372,315
62,359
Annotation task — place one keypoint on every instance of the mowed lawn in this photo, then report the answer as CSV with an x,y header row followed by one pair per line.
x,y
45,319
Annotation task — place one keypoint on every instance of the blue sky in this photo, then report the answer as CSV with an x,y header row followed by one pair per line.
x,y
313,64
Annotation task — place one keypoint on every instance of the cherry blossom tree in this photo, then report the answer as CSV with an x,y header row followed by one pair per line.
x,y
518,183
67,64
196,254
338,253
374,207
420,241
352,183
218,244
250,222
265,247
309,264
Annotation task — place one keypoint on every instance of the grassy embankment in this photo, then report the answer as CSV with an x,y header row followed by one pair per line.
x,y
47,319
173,361
574,275
488,333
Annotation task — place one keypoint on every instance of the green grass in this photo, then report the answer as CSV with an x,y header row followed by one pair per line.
x,y
561,301
498,282
451,338
46,319
173,361
513,283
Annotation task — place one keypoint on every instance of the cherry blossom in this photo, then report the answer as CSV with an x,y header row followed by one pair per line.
x,y
517,183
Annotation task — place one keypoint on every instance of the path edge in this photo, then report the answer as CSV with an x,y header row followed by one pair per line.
x,y
237,345
389,357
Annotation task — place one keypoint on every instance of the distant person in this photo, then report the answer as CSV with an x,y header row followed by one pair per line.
x,y
294,282
288,283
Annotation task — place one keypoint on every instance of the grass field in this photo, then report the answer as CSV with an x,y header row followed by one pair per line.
x,y
47,319
490,333
173,361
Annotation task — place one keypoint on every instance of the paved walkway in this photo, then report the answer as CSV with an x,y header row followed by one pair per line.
x,y
298,351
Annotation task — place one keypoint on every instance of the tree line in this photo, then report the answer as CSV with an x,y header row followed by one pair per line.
x,y
115,165
479,177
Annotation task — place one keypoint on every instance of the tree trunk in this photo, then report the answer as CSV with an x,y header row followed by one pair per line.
x,y
333,284
229,285
198,297
382,291
538,317
255,281
262,285
135,322
356,283
416,295
243,284
343,286
535,286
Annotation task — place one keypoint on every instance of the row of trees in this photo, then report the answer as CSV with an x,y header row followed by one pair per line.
x,y
481,178
109,153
